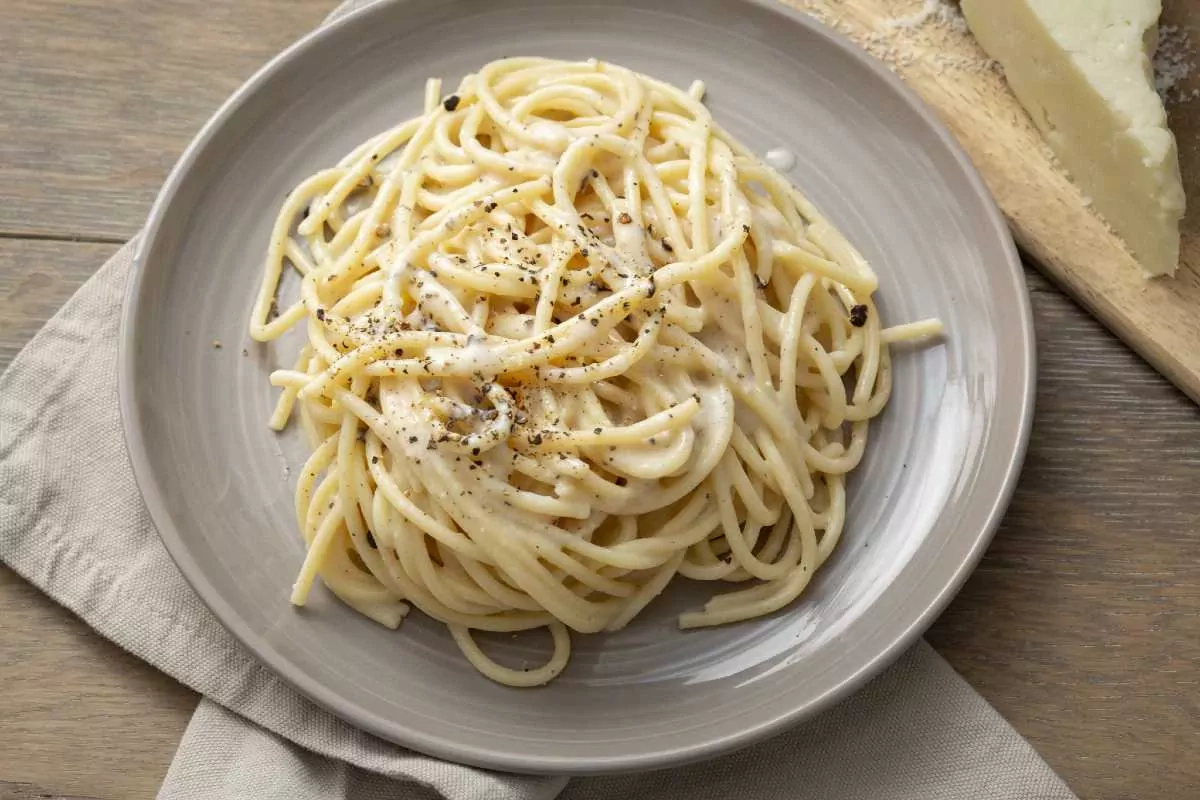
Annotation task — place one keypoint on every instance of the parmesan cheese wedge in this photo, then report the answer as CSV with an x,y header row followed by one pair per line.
x,y
1083,70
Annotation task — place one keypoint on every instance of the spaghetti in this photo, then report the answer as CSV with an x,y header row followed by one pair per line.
x,y
567,340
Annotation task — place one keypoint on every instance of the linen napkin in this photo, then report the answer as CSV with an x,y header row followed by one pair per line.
x,y
73,524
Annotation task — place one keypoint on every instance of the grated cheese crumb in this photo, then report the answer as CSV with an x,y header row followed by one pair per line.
x,y
1174,63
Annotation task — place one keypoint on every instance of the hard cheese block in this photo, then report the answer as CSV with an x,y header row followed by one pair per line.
x,y
1082,68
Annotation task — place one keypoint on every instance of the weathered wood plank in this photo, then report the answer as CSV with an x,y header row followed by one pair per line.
x,y
27,791
98,99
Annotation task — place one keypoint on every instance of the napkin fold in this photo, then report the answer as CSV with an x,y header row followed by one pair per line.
x,y
72,523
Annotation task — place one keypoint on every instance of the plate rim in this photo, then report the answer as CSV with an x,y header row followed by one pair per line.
x,y
443,747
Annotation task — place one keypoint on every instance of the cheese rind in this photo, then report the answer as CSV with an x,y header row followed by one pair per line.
x,y
1083,70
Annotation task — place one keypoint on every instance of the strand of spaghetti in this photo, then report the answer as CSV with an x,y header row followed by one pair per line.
x,y
516,677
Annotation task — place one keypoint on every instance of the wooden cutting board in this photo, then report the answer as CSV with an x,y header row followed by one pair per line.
x,y
1159,318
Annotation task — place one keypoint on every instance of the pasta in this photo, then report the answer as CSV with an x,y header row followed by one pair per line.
x,y
568,340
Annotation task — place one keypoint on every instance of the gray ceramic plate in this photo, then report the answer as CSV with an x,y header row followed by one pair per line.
x,y
940,467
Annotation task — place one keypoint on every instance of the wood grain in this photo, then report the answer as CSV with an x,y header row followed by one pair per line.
x,y
1082,625
98,98
1048,215
28,791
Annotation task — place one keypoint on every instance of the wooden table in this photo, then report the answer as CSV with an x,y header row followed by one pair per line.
x,y
1082,625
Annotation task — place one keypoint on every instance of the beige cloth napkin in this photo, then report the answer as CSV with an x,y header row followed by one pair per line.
x,y
72,523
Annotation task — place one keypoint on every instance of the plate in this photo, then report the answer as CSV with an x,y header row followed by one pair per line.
x,y
940,466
